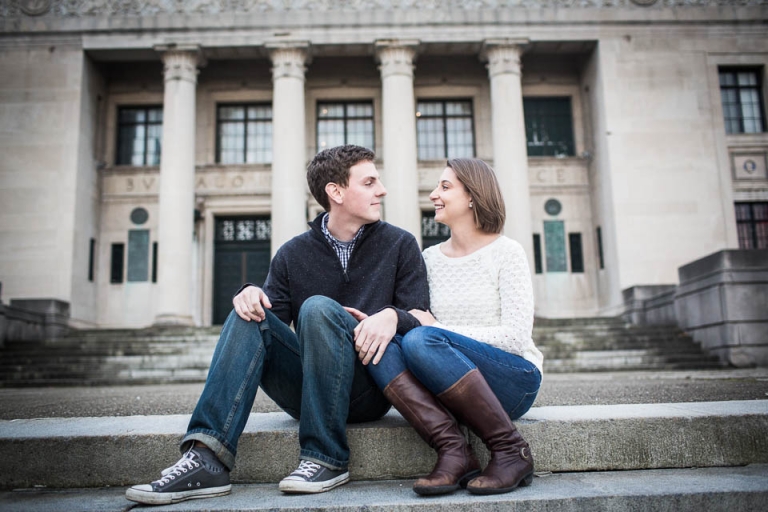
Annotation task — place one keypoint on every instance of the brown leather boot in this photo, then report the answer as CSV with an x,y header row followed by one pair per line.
x,y
456,463
473,403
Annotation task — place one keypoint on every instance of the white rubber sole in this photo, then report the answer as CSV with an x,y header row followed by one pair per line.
x,y
166,498
303,487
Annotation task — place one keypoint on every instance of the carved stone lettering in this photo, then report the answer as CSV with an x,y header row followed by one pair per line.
x,y
129,185
148,182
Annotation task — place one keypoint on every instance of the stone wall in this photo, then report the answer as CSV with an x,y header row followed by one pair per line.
x,y
720,301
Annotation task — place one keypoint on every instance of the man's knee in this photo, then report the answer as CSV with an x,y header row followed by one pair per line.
x,y
318,306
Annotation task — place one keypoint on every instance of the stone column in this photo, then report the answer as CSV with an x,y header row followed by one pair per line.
x,y
510,157
289,148
400,174
176,199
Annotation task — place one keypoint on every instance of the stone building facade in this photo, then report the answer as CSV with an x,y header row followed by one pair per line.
x,y
153,151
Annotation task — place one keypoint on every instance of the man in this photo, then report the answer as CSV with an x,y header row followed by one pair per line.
x,y
349,258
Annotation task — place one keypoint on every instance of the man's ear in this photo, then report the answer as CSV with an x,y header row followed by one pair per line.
x,y
335,193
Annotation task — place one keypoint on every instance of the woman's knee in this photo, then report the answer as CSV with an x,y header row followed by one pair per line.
x,y
417,343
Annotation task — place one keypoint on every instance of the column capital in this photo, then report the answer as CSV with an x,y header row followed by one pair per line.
x,y
181,61
289,59
503,55
396,56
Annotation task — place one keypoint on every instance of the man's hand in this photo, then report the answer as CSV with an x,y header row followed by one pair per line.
x,y
424,317
373,333
250,303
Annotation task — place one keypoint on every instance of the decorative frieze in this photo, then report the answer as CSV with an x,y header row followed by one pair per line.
x,y
137,8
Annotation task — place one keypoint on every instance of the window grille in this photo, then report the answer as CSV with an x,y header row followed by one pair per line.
x,y
244,134
548,126
444,129
340,123
752,225
139,135
741,94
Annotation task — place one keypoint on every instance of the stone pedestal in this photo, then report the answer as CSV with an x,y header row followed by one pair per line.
x,y
650,305
400,176
721,301
177,187
289,159
510,154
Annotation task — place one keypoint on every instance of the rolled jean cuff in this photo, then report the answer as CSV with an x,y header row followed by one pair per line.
x,y
323,460
207,438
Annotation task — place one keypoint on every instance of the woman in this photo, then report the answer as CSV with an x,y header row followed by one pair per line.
x,y
478,361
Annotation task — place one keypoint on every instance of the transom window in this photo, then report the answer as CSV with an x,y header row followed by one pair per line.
x,y
548,126
752,225
340,123
139,135
244,134
444,129
740,91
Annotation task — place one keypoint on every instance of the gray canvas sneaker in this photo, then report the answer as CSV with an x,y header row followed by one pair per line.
x,y
198,474
312,478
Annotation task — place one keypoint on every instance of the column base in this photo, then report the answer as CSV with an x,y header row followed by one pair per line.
x,y
170,319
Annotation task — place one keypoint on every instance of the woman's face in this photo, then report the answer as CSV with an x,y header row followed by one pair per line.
x,y
450,198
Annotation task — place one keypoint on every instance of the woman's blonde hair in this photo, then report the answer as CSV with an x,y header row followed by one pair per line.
x,y
484,190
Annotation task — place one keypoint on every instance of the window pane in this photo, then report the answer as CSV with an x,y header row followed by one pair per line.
x,y
359,110
537,253
458,108
259,143
154,140
231,113
549,126
139,135
747,78
260,112
360,132
330,110
330,134
155,115
231,143
131,115
430,108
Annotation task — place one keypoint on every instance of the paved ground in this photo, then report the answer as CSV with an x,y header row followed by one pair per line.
x,y
558,389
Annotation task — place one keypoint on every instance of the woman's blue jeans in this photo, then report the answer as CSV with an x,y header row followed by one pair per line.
x,y
439,358
313,374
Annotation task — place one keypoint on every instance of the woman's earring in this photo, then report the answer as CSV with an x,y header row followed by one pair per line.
x,y
470,204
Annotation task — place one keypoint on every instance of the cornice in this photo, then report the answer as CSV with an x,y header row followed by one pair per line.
x,y
141,8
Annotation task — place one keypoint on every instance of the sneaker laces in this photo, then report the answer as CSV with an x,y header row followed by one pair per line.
x,y
307,468
183,465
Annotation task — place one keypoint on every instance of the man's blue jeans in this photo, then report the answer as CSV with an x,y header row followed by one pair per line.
x,y
439,358
313,374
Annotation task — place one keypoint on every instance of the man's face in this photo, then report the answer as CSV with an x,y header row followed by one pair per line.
x,y
361,198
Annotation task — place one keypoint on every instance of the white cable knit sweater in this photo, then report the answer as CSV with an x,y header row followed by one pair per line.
x,y
486,295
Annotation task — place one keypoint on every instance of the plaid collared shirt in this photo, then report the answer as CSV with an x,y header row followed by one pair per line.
x,y
343,249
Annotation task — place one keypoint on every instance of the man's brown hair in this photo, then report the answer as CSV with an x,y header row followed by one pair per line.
x,y
332,166
484,190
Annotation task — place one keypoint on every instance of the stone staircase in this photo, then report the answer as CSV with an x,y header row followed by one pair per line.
x,y
179,354
111,356
610,344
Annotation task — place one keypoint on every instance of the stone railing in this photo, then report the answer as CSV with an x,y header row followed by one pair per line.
x,y
720,301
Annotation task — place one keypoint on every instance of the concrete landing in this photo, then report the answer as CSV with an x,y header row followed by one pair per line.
x,y
673,490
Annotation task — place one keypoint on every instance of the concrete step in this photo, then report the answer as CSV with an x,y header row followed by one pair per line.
x,y
664,490
92,452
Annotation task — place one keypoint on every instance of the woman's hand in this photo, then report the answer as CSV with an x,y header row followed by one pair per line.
x,y
425,317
